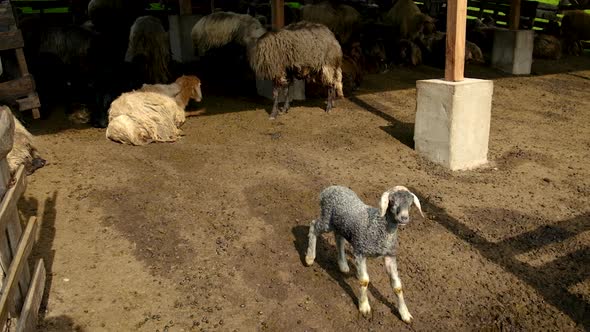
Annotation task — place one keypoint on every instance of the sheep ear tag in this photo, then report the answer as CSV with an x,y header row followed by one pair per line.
x,y
384,204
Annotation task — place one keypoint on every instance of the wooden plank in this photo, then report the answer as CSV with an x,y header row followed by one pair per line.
x,y
547,6
11,39
278,13
546,14
36,113
30,102
27,321
12,195
6,15
455,52
20,87
4,175
16,267
14,231
22,62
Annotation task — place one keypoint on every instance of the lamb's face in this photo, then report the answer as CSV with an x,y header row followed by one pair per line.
x,y
399,206
398,202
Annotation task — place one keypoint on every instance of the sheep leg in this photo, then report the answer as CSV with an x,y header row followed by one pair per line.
x,y
316,228
396,284
286,105
342,263
331,93
275,105
363,277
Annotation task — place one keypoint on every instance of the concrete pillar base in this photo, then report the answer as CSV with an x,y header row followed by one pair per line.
x,y
296,92
453,122
181,43
513,51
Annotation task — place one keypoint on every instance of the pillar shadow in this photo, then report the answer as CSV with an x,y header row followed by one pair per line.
x,y
401,131
550,280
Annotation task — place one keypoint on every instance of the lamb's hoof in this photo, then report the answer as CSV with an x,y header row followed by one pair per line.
x,y
309,260
406,317
365,309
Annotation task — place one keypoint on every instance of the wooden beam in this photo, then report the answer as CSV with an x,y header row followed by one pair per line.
x,y
18,263
278,13
27,322
514,19
186,7
13,194
11,39
455,52
28,103
17,88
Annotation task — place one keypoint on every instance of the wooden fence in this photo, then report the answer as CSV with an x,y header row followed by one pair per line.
x,y
21,293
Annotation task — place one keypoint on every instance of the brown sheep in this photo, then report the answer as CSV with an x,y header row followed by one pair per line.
x,y
150,46
301,50
547,47
153,113
342,20
575,27
406,18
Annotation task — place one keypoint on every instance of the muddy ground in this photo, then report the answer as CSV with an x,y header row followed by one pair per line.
x,y
208,233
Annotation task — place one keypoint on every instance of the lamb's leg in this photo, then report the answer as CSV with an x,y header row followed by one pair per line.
x,y
286,105
275,107
316,228
342,263
363,277
396,283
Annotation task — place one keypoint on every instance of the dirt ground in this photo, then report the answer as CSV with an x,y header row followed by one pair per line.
x,y
208,233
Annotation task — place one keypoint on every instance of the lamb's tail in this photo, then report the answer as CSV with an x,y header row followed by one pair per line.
x,y
124,129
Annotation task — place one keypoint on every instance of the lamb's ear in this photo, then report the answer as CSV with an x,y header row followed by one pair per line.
x,y
417,203
384,203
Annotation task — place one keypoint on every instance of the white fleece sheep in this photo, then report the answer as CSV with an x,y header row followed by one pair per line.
x,y
23,150
153,113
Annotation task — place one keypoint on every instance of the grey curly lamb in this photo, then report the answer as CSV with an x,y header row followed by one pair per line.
x,y
372,232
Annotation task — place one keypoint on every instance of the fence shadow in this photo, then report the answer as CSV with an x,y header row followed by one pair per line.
x,y
44,246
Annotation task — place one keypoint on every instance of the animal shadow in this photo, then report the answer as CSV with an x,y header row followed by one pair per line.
x,y
326,258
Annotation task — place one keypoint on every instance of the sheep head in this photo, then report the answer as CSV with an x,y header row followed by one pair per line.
x,y
190,88
398,202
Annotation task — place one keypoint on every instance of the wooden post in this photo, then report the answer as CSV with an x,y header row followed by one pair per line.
x,y
455,54
278,13
514,19
186,7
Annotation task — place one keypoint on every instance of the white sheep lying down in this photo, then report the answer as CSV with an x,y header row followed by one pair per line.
x,y
153,113
23,150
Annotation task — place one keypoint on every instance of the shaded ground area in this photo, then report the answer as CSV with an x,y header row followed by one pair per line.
x,y
208,233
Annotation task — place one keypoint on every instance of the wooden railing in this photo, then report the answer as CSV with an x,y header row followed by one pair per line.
x,y
20,294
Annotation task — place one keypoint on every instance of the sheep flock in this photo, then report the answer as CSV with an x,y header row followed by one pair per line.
x,y
329,44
